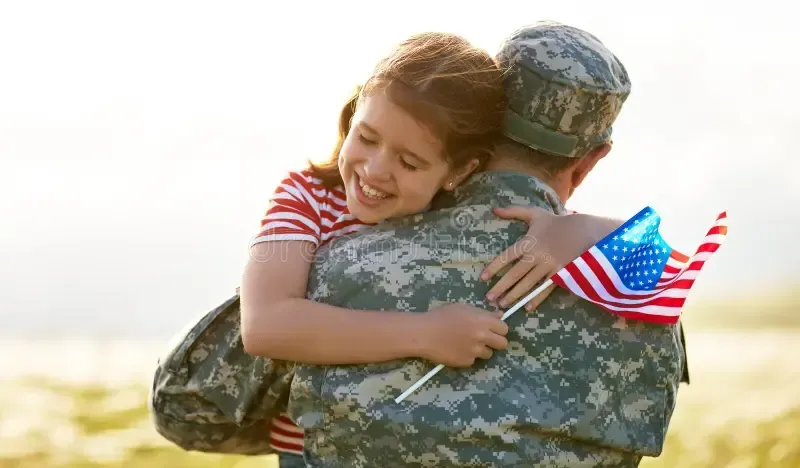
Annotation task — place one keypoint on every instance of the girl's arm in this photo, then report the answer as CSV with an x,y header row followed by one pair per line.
x,y
278,322
551,242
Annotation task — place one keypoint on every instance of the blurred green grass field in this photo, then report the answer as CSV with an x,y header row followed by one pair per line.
x,y
741,410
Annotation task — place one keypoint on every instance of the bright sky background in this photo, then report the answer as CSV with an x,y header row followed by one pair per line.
x,y
140,141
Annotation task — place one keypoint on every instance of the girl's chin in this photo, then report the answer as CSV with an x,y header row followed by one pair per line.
x,y
368,216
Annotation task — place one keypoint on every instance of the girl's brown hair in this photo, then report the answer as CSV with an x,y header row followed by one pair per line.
x,y
452,87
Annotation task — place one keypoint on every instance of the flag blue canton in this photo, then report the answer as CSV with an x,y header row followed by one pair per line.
x,y
636,251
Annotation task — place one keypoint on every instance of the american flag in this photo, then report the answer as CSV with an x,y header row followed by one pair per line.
x,y
634,273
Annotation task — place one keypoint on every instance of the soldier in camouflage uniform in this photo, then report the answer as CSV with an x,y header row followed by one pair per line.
x,y
577,386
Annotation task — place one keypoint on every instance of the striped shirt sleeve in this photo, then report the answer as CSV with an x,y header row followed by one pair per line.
x,y
293,213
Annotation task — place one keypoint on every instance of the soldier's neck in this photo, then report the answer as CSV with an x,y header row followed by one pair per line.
x,y
558,184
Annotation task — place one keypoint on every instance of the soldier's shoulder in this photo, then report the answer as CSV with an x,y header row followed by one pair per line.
x,y
502,188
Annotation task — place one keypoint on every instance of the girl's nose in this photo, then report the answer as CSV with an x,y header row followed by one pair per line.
x,y
378,167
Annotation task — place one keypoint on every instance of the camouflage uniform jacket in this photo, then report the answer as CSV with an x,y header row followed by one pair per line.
x,y
577,386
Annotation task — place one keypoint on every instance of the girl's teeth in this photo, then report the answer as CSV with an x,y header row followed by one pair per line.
x,y
371,192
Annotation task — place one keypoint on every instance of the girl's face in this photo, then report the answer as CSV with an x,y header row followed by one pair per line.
x,y
392,165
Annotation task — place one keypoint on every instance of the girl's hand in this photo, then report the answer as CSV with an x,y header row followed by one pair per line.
x,y
552,241
457,334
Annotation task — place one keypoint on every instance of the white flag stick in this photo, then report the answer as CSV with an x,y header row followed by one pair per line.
x,y
506,315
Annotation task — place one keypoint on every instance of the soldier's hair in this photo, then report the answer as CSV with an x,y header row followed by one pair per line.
x,y
549,164
444,82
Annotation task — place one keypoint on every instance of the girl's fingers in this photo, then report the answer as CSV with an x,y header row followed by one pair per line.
x,y
512,276
485,352
520,212
509,255
537,301
526,285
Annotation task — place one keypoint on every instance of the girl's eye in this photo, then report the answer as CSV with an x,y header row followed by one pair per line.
x,y
365,140
408,166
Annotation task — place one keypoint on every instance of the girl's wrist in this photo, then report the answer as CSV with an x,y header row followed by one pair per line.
x,y
595,228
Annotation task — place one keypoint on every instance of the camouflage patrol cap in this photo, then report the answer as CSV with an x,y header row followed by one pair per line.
x,y
564,88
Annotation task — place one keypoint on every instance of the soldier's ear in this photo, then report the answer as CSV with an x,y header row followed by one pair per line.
x,y
585,165
459,175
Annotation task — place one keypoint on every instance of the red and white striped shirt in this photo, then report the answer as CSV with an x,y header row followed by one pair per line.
x,y
285,436
302,208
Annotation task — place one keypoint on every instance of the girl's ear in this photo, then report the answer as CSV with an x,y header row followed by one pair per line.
x,y
458,176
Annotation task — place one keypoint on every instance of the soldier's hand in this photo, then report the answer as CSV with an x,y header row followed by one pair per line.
x,y
458,334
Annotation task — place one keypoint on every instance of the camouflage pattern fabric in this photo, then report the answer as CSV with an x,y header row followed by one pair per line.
x,y
577,386
564,88
209,395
